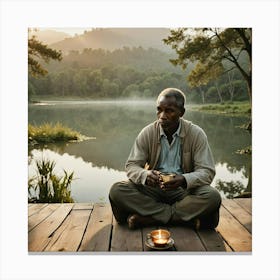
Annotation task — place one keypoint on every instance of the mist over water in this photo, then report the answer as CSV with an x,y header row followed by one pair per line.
x,y
98,163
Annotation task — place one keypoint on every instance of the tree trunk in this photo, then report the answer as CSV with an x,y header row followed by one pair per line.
x,y
202,94
231,86
219,92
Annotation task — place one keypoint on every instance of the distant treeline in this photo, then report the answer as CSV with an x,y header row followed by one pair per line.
x,y
127,73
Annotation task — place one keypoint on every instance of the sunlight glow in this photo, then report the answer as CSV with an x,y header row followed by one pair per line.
x,y
69,30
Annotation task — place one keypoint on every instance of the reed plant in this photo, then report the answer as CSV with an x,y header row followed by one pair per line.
x,y
49,133
49,187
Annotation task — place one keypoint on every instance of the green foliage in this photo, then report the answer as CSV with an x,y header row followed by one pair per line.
x,y
227,108
128,73
213,51
48,133
38,50
48,187
118,81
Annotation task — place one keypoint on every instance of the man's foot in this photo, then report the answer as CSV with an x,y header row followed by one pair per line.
x,y
205,222
135,221
176,220
210,221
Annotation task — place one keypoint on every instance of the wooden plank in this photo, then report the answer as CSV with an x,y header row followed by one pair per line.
x,y
41,215
228,249
35,207
38,238
83,206
68,236
239,213
246,203
124,239
186,239
98,231
238,238
211,240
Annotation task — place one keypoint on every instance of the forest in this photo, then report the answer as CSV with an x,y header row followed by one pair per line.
x,y
128,72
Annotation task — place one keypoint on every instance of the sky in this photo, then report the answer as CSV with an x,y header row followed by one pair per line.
x,y
70,30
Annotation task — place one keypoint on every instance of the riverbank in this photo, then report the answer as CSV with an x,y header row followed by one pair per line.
x,y
236,108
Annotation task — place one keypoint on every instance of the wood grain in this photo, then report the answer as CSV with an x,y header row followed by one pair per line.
x,y
98,232
245,203
186,239
238,237
41,214
211,240
124,239
68,236
239,213
35,207
92,228
38,238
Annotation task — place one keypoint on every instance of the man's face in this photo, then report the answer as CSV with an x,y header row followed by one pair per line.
x,y
168,113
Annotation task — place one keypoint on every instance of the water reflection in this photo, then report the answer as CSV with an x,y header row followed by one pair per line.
x,y
229,182
115,126
90,183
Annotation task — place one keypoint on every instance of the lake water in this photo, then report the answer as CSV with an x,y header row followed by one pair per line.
x,y
98,163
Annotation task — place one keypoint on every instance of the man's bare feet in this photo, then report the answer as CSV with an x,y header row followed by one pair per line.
x,y
135,221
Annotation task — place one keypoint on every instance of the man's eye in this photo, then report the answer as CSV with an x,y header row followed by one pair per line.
x,y
169,111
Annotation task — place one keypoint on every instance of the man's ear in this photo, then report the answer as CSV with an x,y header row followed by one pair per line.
x,y
182,112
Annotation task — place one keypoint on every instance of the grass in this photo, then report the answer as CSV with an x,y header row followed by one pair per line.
x,y
47,186
50,133
228,108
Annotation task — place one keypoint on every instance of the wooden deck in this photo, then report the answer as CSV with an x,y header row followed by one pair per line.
x,y
92,228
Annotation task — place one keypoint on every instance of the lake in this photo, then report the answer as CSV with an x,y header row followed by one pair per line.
x,y
99,162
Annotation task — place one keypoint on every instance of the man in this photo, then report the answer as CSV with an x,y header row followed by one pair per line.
x,y
174,145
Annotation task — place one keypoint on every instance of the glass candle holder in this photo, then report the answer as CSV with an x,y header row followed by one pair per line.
x,y
160,237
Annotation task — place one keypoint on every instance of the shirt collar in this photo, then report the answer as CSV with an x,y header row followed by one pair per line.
x,y
176,133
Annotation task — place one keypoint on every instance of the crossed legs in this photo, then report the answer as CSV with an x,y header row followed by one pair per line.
x,y
150,205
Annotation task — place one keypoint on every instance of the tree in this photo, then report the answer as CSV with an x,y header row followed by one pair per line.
x,y
213,51
36,51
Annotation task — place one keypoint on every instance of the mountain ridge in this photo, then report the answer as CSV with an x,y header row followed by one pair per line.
x,y
115,38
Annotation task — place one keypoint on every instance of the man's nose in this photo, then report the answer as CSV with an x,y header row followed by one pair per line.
x,y
162,115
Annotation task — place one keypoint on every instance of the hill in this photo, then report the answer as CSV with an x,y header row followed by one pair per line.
x,y
115,38
50,36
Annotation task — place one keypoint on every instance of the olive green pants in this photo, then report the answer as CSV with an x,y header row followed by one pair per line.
x,y
128,198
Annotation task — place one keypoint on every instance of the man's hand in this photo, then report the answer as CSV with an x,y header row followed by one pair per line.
x,y
176,182
153,178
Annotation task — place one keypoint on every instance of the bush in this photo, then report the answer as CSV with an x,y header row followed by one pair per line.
x,y
47,133
48,187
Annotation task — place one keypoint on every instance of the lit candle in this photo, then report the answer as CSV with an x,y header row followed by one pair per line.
x,y
160,237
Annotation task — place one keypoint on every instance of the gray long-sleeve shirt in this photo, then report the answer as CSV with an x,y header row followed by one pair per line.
x,y
197,160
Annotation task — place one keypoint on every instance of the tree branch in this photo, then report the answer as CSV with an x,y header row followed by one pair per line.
x,y
243,72
248,45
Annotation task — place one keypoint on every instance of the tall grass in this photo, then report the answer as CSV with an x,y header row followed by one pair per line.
x,y
48,133
49,187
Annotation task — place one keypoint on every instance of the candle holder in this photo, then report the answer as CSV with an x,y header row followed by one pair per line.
x,y
160,237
